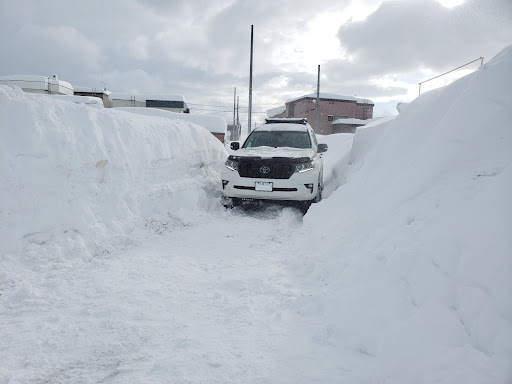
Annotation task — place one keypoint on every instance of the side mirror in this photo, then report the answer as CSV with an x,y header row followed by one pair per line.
x,y
235,145
322,148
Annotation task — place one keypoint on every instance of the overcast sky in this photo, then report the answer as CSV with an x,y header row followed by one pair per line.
x,y
200,48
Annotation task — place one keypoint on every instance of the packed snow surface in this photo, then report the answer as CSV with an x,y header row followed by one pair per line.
x,y
118,263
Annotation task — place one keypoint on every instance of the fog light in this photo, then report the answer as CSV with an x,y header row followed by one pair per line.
x,y
309,186
224,183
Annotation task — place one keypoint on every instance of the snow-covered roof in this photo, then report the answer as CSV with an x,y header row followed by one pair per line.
x,y
130,96
24,78
78,88
276,111
36,82
332,96
61,83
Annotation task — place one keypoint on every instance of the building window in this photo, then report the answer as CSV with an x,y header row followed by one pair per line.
x,y
164,104
330,118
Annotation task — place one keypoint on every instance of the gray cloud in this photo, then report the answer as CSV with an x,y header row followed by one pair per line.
x,y
404,35
200,48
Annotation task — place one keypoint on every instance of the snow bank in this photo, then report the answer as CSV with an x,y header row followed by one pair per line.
x,y
77,180
409,262
215,124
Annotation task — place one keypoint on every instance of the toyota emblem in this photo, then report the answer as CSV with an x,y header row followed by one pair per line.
x,y
265,169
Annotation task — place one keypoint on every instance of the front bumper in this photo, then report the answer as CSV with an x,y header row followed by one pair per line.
x,y
299,187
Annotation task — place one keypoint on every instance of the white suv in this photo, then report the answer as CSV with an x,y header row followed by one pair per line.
x,y
280,160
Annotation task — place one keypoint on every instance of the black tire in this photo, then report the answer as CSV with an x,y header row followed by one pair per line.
x,y
230,202
304,206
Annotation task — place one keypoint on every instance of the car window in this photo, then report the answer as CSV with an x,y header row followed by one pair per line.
x,y
276,139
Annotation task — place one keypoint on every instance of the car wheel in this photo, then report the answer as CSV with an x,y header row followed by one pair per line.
x,y
304,206
230,202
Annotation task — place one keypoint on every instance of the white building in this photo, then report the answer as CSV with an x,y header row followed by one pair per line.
x,y
173,103
102,93
38,84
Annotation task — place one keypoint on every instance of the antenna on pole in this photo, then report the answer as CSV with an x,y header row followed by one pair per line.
x,y
318,102
250,84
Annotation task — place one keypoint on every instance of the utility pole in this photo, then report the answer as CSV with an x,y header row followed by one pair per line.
x,y
318,102
250,83
234,111
237,118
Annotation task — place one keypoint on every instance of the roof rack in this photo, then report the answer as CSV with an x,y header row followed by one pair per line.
x,y
292,120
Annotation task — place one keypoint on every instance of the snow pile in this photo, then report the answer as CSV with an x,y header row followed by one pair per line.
x,y
409,262
77,180
214,124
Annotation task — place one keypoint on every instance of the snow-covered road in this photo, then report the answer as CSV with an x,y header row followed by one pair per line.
x,y
208,302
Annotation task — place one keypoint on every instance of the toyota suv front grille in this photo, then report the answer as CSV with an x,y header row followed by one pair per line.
x,y
264,169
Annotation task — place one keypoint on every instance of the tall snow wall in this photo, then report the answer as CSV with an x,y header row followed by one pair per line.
x,y
413,253
76,180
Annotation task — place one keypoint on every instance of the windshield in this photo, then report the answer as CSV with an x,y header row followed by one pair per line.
x,y
276,139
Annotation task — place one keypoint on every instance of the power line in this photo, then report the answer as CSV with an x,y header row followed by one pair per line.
x,y
208,105
216,106
221,110
211,110
246,107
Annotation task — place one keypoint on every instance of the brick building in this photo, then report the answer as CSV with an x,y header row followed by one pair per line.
x,y
332,108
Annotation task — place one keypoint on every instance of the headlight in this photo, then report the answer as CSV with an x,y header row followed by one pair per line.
x,y
304,167
231,164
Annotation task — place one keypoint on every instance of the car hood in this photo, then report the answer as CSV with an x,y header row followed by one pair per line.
x,y
270,152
